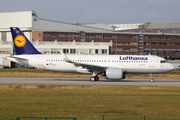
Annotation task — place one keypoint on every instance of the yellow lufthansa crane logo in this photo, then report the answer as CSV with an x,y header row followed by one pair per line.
x,y
20,41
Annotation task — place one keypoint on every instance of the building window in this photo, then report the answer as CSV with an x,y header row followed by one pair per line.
x,y
160,44
147,38
104,51
3,36
72,50
153,44
160,52
173,44
160,38
134,49
119,37
62,35
126,49
166,38
47,35
119,49
173,52
133,43
178,52
119,43
154,52
126,43
99,36
146,43
65,50
114,43
127,37
90,36
106,37
167,44
76,36
154,38
134,37
113,37
172,38
69,36
54,35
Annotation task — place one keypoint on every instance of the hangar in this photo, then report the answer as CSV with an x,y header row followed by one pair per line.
x,y
49,36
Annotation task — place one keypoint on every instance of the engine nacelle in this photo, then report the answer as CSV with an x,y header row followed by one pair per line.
x,y
114,73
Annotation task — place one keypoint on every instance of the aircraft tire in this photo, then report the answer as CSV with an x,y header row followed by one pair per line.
x,y
151,80
96,78
92,79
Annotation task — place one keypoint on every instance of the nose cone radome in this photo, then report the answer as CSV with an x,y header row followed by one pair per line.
x,y
170,67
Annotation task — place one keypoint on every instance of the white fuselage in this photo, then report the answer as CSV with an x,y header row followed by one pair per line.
x,y
129,63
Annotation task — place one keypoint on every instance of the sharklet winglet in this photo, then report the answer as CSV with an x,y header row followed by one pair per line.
x,y
65,57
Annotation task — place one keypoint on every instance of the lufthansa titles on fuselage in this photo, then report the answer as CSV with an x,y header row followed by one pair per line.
x,y
132,58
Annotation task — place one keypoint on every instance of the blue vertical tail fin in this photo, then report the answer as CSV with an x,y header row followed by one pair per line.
x,y
21,44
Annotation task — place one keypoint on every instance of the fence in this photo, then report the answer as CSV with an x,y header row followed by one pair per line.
x,y
45,118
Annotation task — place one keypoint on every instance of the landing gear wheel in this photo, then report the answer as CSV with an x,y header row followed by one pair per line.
x,y
92,79
151,80
95,78
151,77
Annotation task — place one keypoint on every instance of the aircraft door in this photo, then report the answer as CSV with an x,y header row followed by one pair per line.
x,y
151,62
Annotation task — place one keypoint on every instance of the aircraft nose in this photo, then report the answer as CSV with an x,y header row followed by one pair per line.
x,y
171,67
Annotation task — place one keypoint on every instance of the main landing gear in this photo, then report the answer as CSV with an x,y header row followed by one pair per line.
x,y
151,77
94,78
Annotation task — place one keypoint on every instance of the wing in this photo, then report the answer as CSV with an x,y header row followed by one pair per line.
x,y
91,67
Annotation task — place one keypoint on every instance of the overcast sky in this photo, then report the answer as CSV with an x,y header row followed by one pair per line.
x,y
99,11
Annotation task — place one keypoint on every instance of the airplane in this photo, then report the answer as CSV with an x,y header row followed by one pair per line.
x,y
110,66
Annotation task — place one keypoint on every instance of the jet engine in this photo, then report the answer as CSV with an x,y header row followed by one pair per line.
x,y
115,73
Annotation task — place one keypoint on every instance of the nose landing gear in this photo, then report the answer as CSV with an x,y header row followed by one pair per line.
x,y
151,77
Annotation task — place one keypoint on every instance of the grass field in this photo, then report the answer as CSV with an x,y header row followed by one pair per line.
x,y
88,101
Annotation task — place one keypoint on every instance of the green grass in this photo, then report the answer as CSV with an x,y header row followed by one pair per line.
x,y
88,101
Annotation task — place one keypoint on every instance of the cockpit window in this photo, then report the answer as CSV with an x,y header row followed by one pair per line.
x,y
164,61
